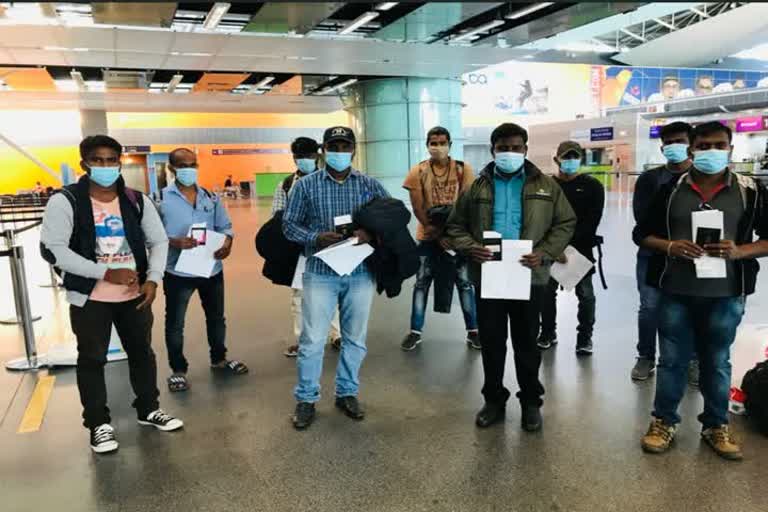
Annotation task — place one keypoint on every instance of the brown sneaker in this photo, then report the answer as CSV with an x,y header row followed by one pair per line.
x,y
659,437
721,440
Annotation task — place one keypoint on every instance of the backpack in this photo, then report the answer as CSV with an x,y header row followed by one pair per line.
x,y
755,387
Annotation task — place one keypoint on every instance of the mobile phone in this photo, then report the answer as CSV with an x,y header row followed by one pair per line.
x,y
343,225
706,236
199,234
492,242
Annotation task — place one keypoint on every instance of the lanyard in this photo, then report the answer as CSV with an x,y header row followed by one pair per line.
x,y
706,198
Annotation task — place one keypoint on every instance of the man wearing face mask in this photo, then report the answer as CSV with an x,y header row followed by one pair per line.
x,y
586,196
109,243
315,204
305,156
186,203
512,197
434,183
697,314
675,140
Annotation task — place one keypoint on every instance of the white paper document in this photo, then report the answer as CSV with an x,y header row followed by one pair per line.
x,y
344,257
570,273
508,278
708,267
199,261
298,275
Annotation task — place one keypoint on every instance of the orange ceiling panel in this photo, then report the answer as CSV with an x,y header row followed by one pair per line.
x,y
219,82
27,79
292,87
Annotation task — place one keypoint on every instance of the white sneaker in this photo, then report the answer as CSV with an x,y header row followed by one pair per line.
x,y
103,439
162,421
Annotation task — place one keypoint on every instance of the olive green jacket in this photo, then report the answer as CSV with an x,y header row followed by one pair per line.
x,y
548,219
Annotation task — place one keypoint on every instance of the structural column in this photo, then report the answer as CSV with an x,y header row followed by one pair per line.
x,y
391,118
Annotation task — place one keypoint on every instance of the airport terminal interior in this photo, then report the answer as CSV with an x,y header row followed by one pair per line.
x,y
235,85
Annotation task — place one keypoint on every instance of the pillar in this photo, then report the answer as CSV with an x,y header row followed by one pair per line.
x,y
93,122
391,118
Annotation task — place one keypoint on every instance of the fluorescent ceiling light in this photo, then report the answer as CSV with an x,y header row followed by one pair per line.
x,y
175,81
528,10
196,54
478,30
338,87
359,22
215,15
263,82
386,6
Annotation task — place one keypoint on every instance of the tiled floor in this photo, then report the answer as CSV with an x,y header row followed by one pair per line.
x,y
418,449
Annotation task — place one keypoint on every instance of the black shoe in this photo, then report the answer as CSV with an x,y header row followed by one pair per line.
x,y
350,406
473,340
161,421
304,415
531,420
103,439
584,348
411,341
490,413
546,341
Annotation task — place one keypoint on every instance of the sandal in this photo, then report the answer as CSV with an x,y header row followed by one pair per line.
x,y
233,367
178,382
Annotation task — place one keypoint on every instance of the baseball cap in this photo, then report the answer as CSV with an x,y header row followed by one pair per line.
x,y
568,146
339,133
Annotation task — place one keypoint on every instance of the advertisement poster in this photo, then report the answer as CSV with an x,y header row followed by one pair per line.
x,y
628,86
534,93
525,92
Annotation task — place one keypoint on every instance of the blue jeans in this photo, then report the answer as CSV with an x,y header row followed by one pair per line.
x,y
706,326
424,278
178,291
647,317
353,294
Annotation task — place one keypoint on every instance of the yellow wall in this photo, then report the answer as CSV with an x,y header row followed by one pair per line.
x,y
19,173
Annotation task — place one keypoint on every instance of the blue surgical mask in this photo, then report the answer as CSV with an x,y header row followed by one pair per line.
x,y
338,161
675,153
105,176
570,166
306,165
711,161
508,162
187,176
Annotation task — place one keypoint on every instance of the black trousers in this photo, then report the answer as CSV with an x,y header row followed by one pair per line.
x,y
498,319
92,325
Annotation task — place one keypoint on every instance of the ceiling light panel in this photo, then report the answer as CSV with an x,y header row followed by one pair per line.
x,y
479,30
386,6
359,22
528,10
215,15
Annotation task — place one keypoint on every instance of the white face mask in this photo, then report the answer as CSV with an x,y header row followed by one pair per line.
x,y
439,152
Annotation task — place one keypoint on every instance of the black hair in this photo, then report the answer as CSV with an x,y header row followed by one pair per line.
x,y
674,128
172,155
508,130
711,128
90,143
304,146
436,132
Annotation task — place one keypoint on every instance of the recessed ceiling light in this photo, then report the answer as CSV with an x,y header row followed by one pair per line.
x,y
215,15
528,10
386,6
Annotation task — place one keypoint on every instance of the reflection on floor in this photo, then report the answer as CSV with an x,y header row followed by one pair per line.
x,y
418,448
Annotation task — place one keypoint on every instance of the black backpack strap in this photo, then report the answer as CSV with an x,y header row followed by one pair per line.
x,y
288,183
136,199
599,244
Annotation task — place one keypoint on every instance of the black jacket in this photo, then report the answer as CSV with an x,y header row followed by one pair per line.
x,y
396,257
587,198
83,238
754,220
280,254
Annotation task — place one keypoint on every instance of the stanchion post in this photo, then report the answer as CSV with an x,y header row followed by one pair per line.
x,y
23,310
